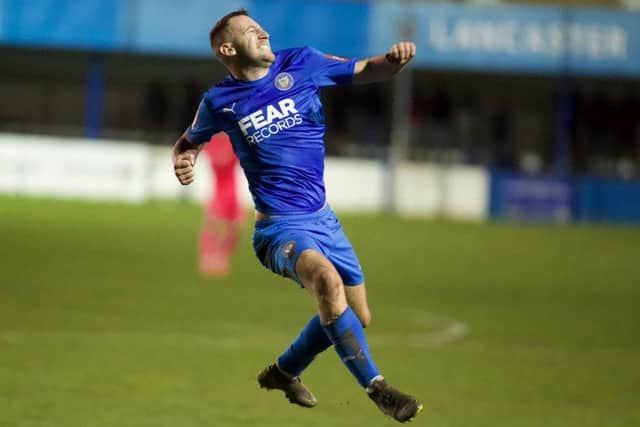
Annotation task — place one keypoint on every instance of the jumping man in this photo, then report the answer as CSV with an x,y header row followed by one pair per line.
x,y
270,108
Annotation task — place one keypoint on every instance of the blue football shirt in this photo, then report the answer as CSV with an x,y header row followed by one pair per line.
x,y
276,126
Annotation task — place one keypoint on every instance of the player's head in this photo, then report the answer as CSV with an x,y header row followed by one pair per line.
x,y
239,40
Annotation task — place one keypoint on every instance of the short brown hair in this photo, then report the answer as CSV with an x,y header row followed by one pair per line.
x,y
221,26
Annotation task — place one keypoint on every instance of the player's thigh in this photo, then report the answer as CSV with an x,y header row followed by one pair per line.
x,y
357,300
342,254
279,246
320,277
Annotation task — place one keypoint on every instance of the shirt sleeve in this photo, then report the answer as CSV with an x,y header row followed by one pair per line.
x,y
204,125
329,70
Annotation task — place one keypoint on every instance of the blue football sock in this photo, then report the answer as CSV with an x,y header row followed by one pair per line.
x,y
350,343
311,342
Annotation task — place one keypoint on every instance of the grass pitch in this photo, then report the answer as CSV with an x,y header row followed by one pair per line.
x,y
104,321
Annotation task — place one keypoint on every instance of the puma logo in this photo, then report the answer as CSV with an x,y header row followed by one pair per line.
x,y
230,110
358,356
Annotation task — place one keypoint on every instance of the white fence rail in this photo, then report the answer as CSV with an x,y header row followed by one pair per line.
x,y
134,172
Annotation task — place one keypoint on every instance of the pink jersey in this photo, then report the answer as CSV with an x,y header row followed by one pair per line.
x,y
224,203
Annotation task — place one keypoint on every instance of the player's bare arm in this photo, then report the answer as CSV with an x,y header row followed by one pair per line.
x,y
383,67
184,159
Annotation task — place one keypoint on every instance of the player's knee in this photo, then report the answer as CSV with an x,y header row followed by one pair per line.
x,y
327,284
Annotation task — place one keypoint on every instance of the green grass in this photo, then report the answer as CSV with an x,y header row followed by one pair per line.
x,y
105,322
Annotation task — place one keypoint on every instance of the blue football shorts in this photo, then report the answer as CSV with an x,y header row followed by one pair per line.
x,y
279,241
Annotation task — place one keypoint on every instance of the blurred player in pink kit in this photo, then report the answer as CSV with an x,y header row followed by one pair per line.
x,y
223,214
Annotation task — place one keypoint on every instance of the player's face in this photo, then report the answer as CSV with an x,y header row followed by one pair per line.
x,y
251,41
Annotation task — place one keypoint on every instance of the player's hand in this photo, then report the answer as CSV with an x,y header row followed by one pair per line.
x,y
183,168
401,53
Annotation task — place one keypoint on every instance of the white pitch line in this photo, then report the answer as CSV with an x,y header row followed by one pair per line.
x,y
447,334
434,331
446,331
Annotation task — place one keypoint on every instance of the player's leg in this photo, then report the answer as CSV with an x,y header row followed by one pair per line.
x,y
219,237
391,401
231,214
278,248
282,254
208,243
339,321
357,300
313,340
214,241
344,259
230,237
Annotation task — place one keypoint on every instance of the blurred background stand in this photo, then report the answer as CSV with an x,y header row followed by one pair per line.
x,y
504,100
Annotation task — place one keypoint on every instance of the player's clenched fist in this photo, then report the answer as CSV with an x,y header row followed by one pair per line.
x,y
401,52
183,168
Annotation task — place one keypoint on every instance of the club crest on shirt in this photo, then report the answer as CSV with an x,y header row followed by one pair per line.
x,y
283,81
289,249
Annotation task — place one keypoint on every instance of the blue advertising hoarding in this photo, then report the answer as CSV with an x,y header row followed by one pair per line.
x,y
179,27
554,198
449,36
529,39
530,198
339,28
86,24
169,26
607,200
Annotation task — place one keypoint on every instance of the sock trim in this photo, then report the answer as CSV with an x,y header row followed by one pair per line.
x,y
283,372
374,379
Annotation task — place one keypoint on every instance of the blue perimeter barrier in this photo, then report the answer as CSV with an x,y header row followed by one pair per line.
x,y
546,39
520,197
179,27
